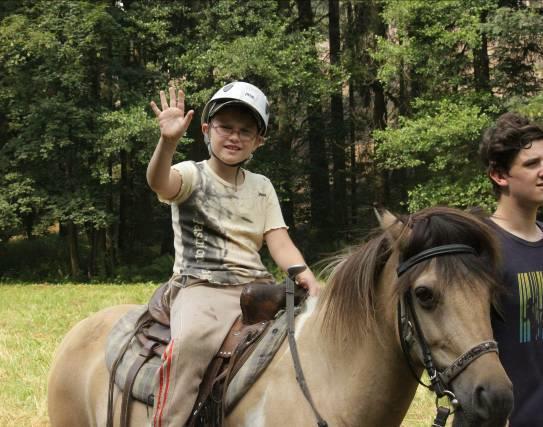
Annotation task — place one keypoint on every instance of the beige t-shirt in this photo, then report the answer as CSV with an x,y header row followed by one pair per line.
x,y
219,228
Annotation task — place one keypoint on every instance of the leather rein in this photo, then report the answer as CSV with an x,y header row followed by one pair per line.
x,y
292,272
439,379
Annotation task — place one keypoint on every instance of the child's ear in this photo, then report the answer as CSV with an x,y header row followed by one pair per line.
x,y
205,131
259,141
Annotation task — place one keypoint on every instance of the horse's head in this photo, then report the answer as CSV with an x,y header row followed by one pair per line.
x,y
445,265
433,275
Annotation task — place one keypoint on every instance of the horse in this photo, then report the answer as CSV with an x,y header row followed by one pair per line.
x,y
416,295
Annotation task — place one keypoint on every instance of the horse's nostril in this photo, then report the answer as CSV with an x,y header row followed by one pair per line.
x,y
482,403
489,405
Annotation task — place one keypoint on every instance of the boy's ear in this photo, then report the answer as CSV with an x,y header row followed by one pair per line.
x,y
259,141
205,131
499,177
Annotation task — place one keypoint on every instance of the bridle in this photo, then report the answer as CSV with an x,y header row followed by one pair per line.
x,y
439,379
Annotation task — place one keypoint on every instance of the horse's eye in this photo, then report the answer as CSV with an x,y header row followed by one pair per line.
x,y
425,296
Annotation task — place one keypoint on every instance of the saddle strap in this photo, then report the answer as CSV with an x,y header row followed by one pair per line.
x,y
294,352
146,353
111,388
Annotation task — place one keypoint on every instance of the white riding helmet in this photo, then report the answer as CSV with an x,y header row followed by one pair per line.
x,y
240,93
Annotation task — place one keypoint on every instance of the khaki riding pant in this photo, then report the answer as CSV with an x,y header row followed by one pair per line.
x,y
201,315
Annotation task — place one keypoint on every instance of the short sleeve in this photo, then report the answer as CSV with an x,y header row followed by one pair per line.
x,y
274,216
189,178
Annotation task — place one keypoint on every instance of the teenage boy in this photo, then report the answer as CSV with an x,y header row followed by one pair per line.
x,y
512,151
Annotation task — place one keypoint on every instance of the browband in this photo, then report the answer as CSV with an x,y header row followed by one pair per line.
x,y
433,252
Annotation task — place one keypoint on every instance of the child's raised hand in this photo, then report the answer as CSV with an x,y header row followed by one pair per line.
x,y
172,119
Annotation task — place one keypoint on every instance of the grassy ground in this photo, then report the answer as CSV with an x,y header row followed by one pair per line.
x,y
33,320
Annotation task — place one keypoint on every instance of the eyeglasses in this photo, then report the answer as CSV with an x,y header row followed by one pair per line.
x,y
245,135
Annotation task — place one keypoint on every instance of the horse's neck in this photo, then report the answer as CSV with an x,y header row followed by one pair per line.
x,y
357,377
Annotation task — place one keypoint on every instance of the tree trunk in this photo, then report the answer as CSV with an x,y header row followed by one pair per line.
x,y
481,67
318,168
364,21
73,249
102,269
352,154
286,167
353,172
337,125
124,200
109,238
91,264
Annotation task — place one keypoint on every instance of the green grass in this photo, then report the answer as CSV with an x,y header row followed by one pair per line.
x,y
33,320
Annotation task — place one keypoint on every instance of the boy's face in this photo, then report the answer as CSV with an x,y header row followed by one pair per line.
x,y
524,181
233,133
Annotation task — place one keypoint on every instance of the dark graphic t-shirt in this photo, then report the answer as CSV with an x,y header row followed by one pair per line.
x,y
520,333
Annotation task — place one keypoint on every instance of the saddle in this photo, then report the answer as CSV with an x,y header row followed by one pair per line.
x,y
259,305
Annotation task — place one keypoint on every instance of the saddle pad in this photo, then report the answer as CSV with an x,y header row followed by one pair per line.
x,y
259,359
144,384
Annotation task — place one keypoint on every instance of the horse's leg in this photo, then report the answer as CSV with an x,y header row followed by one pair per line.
x,y
78,380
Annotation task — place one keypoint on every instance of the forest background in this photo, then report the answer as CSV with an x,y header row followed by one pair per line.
x,y
373,102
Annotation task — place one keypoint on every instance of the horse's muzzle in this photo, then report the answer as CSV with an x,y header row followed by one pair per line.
x,y
489,405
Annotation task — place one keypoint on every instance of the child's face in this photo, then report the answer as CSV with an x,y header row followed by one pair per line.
x,y
524,181
233,133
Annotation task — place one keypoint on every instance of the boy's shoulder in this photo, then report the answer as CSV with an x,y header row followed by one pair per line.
x,y
188,167
186,164
256,176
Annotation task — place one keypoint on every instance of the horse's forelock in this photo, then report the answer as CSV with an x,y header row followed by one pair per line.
x,y
441,226
437,226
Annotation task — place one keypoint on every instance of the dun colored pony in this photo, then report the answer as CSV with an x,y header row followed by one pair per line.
x,y
349,340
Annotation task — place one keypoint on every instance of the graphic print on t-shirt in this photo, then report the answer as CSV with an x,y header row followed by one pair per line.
x,y
219,228
531,306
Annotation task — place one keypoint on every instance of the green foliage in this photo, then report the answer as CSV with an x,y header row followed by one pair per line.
x,y
431,44
442,137
9,219
462,193
516,36
433,65
21,203
531,107
34,259
159,269
440,144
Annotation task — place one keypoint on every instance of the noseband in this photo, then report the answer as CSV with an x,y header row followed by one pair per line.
x,y
440,379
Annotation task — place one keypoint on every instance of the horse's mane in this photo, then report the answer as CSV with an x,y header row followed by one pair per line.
x,y
348,303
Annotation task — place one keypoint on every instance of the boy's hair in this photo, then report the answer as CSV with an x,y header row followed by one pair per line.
x,y
502,142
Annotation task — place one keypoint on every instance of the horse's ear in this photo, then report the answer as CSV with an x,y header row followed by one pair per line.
x,y
391,224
